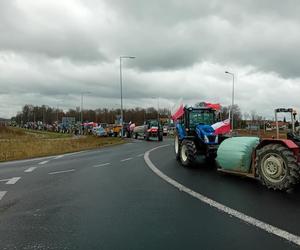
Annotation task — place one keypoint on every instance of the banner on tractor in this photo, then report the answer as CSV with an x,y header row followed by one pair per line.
x,y
222,127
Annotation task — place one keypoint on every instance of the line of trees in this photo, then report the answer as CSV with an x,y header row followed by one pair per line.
x,y
50,115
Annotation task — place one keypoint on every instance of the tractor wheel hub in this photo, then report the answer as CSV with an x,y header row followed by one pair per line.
x,y
273,166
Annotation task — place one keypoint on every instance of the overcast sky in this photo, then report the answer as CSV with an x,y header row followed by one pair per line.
x,y
51,51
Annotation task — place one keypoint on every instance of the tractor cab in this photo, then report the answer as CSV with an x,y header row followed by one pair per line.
x,y
196,122
152,124
198,116
291,135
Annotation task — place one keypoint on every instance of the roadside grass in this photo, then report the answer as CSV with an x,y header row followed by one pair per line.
x,y
16,143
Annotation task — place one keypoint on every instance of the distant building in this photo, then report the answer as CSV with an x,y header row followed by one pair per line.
x,y
281,125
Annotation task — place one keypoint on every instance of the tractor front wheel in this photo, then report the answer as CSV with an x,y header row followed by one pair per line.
x,y
277,167
188,153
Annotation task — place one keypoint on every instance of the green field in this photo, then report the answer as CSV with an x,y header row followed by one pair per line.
x,y
17,143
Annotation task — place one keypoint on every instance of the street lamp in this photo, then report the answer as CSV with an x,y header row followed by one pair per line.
x,y
81,108
121,86
157,98
232,101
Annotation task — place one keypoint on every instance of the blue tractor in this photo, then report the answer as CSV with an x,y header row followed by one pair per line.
x,y
194,135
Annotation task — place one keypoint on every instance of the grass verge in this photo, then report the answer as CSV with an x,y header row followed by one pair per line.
x,y
16,144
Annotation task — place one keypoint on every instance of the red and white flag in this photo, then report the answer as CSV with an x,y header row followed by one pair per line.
x,y
222,127
178,110
215,106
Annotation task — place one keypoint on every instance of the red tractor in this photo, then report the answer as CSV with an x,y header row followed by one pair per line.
x,y
274,162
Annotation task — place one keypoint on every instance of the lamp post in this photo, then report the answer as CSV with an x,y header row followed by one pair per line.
x,y
232,101
121,87
157,99
81,109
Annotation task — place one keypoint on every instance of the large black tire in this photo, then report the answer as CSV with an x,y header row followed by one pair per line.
x,y
277,167
148,137
177,147
188,153
160,137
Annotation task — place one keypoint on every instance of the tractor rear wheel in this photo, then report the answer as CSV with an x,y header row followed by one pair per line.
x,y
277,167
177,147
160,137
188,153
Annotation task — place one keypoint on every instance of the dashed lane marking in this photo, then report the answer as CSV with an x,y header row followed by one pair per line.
x,y
227,210
127,159
101,165
140,155
2,194
58,157
63,171
43,162
5,180
28,170
13,180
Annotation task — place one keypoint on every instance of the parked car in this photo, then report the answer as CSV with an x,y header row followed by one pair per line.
x,y
99,131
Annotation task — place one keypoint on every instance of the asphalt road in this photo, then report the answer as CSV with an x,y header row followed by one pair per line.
x,y
111,199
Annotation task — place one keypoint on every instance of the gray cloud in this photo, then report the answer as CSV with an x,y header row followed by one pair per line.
x,y
52,51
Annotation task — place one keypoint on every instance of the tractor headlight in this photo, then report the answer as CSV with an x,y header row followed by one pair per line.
x,y
217,139
206,139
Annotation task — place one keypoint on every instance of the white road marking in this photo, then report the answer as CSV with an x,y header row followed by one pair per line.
x,y
13,180
43,162
63,171
140,155
231,212
28,170
101,165
5,180
24,161
58,157
127,159
2,193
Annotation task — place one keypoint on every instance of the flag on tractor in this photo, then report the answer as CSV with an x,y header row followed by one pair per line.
x,y
178,113
215,106
222,127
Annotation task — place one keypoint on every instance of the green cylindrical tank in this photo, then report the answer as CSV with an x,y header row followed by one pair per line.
x,y
235,153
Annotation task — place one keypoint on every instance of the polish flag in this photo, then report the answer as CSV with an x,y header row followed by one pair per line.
x,y
222,127
177,110
178,113
215,106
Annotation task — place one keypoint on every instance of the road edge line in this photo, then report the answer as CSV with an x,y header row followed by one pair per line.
x,y
230,211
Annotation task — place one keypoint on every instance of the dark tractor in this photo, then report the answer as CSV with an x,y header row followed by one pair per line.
x,y
194,135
